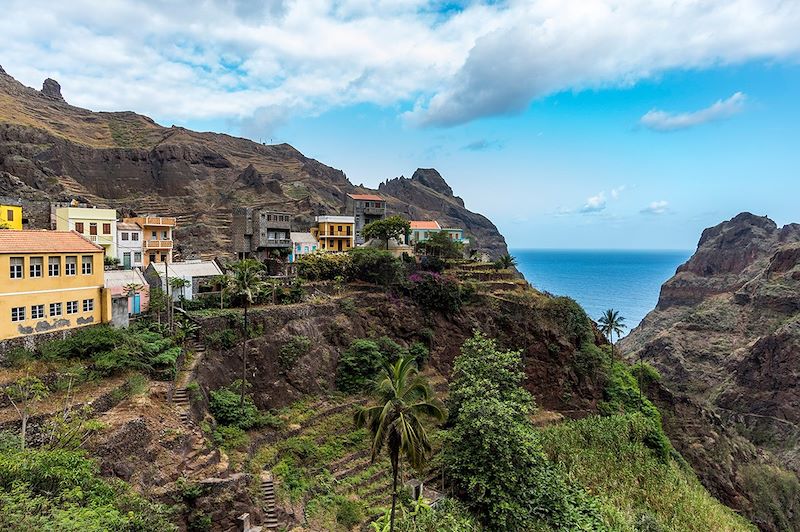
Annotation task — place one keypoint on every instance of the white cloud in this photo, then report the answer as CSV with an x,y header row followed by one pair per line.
x,y
237,61
615,192
719,110
595,203
657,207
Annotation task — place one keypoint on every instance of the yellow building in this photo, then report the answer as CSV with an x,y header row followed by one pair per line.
x,y
335,233
97,225
11,217
49,281
157,240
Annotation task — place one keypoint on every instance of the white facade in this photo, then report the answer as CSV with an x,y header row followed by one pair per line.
x,y
129,245
192,271
302,244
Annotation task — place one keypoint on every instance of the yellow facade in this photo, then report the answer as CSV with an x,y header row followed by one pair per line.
x,y
97,225
335,233
11,217
157,242
63,300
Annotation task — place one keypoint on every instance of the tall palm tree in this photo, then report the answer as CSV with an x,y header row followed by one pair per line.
x,y
506,261
612,323
404,396
245,283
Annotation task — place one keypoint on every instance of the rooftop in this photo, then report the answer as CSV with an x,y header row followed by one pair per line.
x,y
42,241
128,226
121,278
366,197
425,224
336,219
190,268
303,238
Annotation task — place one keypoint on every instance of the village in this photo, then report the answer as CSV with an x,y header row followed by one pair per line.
x,y
93,266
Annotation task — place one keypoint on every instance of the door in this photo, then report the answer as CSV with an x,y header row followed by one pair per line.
x,y
126,261
137,303
340,245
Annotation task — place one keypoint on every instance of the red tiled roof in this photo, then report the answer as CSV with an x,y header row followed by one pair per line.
x,y
424,224
366,197
45,242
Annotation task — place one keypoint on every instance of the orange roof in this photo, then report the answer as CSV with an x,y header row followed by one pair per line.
x,y
29,241
366,197
424,224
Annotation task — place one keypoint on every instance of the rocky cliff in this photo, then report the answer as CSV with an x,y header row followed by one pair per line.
x,y
725,337
50,150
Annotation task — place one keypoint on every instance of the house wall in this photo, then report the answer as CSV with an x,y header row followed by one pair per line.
x,y
130,246
329,234
67,217
11,216
28,292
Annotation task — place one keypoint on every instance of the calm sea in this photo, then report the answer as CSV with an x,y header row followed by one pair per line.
x,y
628,281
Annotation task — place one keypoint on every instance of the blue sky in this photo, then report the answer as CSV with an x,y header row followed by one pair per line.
x,y
593,124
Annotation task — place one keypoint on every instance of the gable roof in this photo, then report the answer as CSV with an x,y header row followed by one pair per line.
x,y
425,224
302,238
128,226
43,241
121,278
190,268
367,197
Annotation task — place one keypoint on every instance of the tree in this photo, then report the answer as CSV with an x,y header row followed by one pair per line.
x,y
387,228
440,245
245,283
23,394
157,303
404,397
179,283
612,323
505,262
222,282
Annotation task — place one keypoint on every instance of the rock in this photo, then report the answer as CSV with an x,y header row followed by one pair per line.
x,y
52,89
432,179
3,72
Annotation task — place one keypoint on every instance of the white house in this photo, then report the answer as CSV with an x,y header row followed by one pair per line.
x,y
129,245
198,273
302,244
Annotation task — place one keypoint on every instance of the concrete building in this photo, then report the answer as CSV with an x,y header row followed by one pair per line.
x,y
364,208
335,233
199,275
421,230
129,245
131,285
10,215
49,281
302,244
97,225
157,240
456,234
256,232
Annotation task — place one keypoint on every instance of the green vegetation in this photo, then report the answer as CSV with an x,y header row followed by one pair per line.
x,y
359,365
433,291
294,348
612,323
441,246
23,394
505,262
60,490
448,516
375,266
385,229
494,456
404,397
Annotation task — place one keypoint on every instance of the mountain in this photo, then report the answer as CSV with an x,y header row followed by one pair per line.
x,y
725,337
50,150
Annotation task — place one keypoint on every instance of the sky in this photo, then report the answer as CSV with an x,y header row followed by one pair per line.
x,y
602,124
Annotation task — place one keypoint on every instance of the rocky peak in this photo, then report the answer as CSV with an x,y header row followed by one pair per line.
x,y
432,179
2,71
52,89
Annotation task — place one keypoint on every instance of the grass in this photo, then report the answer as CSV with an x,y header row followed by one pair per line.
x,y
610,458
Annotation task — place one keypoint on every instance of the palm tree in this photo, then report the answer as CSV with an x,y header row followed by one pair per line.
x,y
222,282
404,397
506,261
245,284
179,283
612,323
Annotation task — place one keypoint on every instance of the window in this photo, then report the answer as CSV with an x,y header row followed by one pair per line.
x,y
137,256
340,228
106,229
71,266
135,237
152,257
348,230
54,266
55,309
37,312
86,265
153,236
79,227
88,305
36,266
72,307
126,257
93,228
124,236
17,313
165,235
10,215
163,258
16,267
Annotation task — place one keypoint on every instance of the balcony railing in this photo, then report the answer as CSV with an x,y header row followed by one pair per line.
x,y
334,235
374,211
158,244
279,243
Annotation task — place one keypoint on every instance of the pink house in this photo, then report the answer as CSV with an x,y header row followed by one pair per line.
x,y
120,283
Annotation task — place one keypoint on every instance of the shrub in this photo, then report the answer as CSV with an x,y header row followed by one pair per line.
x,y
390,349
567,314
349,513
358,365
375,266
194,391
419,352
17,357
229,437
294,348
433,291
199,522
323,266
431,264
222,339
188,490
225,406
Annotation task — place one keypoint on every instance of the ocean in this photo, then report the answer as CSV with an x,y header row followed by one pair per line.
x,y
627,281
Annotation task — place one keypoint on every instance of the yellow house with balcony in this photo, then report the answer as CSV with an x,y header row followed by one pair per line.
x,y
157,240
335,233
11,217
50,281
97,225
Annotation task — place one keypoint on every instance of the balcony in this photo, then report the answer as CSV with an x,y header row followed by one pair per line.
x,y
158,244
373,211
103,240
279,243
333,235
160,221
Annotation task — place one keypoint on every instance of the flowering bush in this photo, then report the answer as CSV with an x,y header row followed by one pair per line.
x,y
435,291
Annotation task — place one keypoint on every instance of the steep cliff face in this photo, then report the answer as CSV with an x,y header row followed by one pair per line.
x,y
126,161
725,336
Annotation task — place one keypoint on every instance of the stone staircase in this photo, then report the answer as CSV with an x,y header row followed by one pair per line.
x,y
180,398
268,494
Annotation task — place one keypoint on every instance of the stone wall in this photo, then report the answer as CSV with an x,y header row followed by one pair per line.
x,y
32,341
